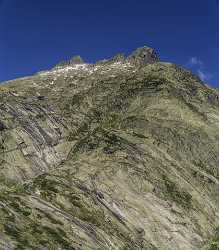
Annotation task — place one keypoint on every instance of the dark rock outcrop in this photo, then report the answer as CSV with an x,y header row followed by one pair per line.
x,y
143,56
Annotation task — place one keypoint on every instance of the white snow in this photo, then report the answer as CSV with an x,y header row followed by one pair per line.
x,y
86,69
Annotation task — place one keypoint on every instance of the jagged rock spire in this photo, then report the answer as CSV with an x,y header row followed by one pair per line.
x,y
76,60
140,57
143,56
72,61
118,58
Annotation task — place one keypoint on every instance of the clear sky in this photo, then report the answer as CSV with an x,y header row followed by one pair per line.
x,y
37,34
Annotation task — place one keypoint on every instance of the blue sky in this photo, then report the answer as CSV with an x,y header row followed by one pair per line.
x,y
35,35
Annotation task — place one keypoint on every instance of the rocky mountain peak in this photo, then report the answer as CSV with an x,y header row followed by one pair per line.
x,y
119,58
142,56
139,57
76,60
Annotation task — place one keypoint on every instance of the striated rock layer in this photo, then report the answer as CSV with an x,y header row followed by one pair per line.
x,y
122,154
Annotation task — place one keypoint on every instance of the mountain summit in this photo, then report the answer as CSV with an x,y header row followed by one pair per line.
x,y
139,57
121,154
143,56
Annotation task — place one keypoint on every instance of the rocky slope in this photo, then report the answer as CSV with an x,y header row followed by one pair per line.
x,y
122,154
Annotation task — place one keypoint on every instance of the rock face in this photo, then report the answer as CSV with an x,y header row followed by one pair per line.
x,y
74,60
122,154
143,56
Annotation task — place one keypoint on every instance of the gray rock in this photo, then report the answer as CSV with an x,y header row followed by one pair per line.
x,y
143,56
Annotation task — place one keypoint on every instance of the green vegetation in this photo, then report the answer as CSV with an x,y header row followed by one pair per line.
x,y
174,193
214,245
34,234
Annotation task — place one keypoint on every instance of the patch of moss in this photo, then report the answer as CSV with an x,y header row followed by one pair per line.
x,y
51,218
8,187
19,206
210,170
214,245
33,235
84,210
58,236
111,121
47,185
181,197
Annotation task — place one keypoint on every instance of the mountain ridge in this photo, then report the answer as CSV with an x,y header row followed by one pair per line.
x,y
121,154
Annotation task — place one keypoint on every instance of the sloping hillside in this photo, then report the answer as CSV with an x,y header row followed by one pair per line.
x,y
122,154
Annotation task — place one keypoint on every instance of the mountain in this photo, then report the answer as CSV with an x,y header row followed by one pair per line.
x,y
121,154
